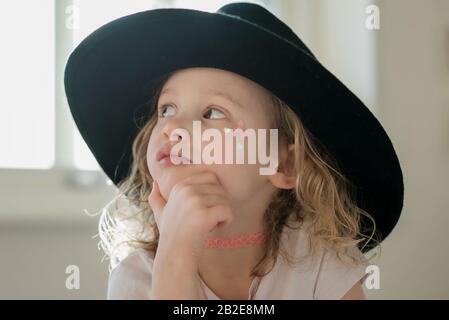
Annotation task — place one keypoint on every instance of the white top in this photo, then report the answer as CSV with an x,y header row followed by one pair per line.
x,y
323,277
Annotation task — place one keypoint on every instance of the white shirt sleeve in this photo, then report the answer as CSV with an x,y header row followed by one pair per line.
x,y
131,278
335,278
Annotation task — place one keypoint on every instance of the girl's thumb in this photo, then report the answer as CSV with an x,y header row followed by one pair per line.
x,y
155,199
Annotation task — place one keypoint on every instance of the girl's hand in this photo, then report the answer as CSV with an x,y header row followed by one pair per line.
x,y
196,206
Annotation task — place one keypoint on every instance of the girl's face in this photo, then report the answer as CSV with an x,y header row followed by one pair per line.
x,y
217,99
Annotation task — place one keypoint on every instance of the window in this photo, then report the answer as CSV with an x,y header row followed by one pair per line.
x,y
27,81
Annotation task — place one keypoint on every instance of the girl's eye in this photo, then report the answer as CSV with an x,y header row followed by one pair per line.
x,y
164,109
215,115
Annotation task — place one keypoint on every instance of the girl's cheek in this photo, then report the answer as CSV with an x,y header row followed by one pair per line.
x,y
151,151
149,161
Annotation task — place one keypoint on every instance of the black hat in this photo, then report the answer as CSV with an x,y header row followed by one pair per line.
x,y
109,76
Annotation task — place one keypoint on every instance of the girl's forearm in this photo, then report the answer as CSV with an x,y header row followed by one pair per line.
x,y
175,278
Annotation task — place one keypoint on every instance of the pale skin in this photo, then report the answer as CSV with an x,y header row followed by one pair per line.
x,y
227,199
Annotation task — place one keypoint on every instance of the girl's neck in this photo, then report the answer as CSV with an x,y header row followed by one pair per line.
x,y
235,263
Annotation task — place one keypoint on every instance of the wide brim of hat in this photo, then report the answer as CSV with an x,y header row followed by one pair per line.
x,y
112,72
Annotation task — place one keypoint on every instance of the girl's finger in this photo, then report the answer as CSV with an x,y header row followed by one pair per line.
x,y
219,216
211,200
201,178
209,188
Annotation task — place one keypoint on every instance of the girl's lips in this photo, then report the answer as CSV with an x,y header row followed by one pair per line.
x,y
163,156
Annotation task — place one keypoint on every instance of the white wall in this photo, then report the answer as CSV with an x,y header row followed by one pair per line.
x,y
407,88
34,258
414,87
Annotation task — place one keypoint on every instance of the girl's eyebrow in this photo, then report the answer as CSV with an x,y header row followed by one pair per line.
x,y
215,93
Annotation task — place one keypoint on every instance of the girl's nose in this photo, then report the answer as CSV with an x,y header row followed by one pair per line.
x,y
173,127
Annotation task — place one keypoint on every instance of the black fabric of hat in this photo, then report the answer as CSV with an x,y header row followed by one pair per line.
x,y
111,73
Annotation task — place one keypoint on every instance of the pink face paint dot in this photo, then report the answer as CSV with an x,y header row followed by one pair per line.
x,y
240,124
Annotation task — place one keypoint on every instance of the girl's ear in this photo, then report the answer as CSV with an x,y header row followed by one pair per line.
x,y
285,177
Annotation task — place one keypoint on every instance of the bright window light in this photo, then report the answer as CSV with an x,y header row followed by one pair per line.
x,y
27,84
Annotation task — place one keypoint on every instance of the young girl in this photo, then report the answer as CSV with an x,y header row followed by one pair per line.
x,y
220,230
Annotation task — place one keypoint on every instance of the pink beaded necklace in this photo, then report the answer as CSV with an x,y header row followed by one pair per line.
x,y
233,242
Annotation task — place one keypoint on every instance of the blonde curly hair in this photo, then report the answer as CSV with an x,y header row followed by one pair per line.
x,y
322,197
